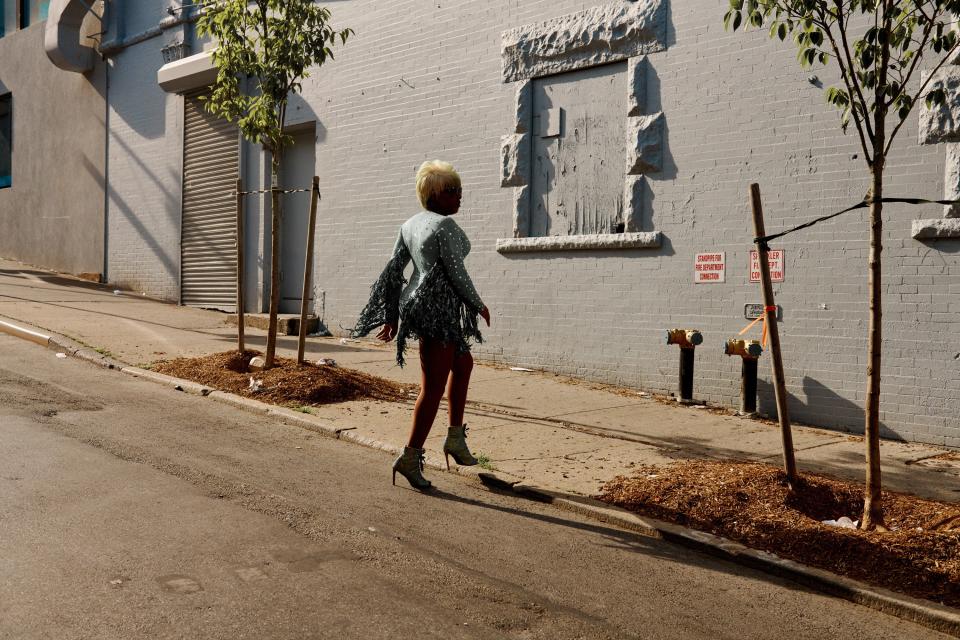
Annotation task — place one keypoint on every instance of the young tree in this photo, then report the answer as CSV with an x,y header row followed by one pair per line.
x,y
274,43
879,47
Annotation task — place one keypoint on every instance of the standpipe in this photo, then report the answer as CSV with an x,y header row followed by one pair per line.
x,y
750,352
687,340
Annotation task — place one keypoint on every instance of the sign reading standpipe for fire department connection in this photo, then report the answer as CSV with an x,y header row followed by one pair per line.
x,y
710,267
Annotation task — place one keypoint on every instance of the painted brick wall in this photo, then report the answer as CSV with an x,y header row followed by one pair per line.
x,y
145,162
422,80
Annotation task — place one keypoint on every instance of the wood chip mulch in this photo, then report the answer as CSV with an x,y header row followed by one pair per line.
x,y
287,383
751,504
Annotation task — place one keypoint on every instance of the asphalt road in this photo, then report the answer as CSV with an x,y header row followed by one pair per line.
x,y
132,511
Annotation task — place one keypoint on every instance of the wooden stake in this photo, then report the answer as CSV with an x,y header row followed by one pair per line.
x,y
274,270
240,305
770,314
308,269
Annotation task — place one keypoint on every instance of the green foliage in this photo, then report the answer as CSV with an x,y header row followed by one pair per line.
x,y
274,43
877,44
484,462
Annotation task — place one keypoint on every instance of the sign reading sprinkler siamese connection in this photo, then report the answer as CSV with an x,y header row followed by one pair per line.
x,y
774,258
710,267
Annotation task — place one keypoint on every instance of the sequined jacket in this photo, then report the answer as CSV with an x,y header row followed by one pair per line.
x,y
439,302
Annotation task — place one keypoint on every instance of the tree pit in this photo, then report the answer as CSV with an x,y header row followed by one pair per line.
x,y
287,383
752,504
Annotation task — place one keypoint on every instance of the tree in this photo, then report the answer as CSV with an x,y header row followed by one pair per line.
x,y
878,46
275,44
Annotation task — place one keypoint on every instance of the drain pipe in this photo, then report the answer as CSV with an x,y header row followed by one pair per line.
x,y
687,340
750,351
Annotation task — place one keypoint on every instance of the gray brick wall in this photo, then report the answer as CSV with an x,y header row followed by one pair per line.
x,y
423,81
145,162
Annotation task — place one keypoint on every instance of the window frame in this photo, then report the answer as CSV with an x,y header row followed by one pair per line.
x,y
8,99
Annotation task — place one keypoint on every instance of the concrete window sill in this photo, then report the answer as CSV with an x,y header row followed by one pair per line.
x,y
640,240
936,228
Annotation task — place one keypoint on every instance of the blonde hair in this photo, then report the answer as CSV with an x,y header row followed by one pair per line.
x,y
433,177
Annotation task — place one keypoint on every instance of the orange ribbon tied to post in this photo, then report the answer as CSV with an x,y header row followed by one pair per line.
x,y
763,319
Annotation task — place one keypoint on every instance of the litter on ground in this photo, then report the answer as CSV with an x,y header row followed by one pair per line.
x,y
843,522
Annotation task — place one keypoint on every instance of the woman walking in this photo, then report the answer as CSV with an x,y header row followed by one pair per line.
x,y
439,306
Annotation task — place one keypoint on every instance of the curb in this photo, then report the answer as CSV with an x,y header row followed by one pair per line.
x,y
58,343
923,612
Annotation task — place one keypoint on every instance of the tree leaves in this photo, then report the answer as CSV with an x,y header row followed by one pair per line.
x,y
877,45
265,49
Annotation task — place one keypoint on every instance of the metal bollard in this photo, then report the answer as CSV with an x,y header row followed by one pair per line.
x,y
750,351
687,340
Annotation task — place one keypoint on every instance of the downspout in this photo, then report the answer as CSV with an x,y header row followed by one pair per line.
x,y
112,23
106,169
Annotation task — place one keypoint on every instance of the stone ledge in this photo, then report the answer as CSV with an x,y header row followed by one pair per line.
x,y
639,240
937,228
586,39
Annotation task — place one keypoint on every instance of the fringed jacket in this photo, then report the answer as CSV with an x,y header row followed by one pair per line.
x,y
440,301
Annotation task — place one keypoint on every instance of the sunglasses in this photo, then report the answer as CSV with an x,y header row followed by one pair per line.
x,y
455,190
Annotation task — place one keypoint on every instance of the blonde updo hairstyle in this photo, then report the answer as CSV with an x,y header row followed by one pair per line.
x,y
432,178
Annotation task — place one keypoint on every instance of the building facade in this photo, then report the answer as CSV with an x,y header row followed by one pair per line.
x,y
52,159
603,146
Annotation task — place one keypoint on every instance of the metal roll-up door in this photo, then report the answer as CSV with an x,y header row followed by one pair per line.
x,y
208,253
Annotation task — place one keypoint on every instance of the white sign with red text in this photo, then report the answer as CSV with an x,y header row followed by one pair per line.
x,y
774,259
710,267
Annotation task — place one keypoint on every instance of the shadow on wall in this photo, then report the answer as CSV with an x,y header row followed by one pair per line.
x,y
300,115
170,264
135,96
942,245
824,408
668,168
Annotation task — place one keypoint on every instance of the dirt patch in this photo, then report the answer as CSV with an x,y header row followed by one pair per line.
x,y
750,503
287,383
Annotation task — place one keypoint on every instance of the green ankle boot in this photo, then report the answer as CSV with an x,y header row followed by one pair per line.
x,y
456,446
410,466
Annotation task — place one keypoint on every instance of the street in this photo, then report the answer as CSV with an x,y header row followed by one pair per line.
x,y
131,511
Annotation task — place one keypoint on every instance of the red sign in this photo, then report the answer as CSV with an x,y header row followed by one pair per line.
x,y
710,267
774,259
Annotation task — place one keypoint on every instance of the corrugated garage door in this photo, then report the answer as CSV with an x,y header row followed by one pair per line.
x,y
208,271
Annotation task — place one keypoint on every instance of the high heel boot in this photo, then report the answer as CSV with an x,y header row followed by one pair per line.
x,y
410,466
456,445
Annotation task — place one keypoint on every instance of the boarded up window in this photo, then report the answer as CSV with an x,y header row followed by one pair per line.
x,y
578,150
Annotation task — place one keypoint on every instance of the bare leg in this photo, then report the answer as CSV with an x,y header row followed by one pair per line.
x,y
457,387
436,359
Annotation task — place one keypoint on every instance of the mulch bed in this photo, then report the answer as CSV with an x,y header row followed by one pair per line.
x,y
287,383
751,504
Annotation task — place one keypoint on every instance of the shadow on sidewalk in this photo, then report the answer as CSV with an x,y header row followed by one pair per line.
x,y
622,540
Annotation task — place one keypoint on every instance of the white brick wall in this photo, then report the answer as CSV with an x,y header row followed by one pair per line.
x,y
145,164
422,80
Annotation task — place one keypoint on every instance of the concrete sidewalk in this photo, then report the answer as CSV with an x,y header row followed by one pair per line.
x,y
546,430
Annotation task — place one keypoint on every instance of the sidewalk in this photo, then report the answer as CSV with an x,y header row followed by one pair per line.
x,y
546,430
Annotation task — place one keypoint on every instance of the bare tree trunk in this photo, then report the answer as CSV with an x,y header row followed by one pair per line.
x,y
873,506
274,260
